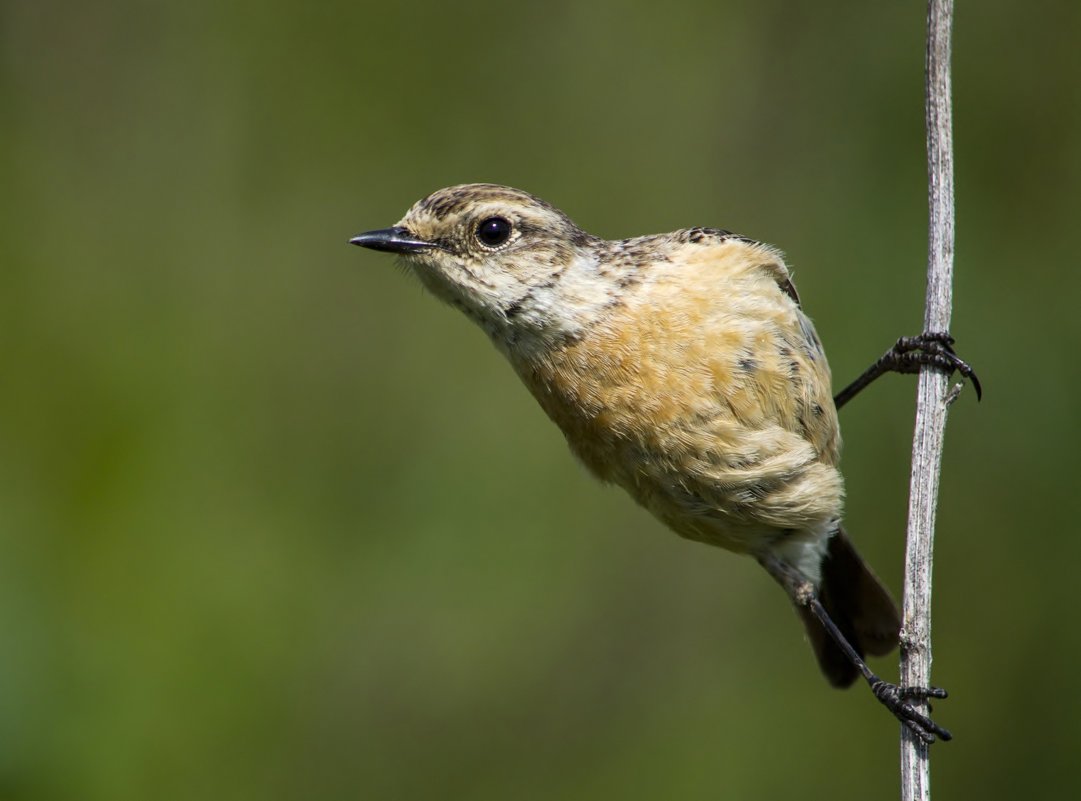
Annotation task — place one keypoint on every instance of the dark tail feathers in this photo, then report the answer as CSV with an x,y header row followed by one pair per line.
x,y
860,606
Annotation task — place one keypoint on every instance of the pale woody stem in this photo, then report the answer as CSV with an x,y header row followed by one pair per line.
x,y
931,400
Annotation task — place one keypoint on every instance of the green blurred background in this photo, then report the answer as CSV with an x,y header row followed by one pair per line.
x,y
275,525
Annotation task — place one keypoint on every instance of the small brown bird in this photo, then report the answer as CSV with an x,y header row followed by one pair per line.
x,y
682,368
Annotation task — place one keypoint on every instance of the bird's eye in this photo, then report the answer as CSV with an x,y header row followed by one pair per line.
x,y
494,232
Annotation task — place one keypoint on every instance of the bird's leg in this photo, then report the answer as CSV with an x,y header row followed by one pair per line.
x,y
892,696
908,355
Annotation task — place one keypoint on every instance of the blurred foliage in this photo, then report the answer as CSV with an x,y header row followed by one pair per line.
x,y
274,525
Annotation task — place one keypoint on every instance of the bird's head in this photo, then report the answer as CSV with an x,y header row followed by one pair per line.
x,y
510,261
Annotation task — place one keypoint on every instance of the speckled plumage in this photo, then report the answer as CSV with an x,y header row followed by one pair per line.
x,y
695,394
679,366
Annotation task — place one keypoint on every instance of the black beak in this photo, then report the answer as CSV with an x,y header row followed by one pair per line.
x,y
392,240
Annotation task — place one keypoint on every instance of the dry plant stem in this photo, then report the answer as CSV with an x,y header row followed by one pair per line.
x,y
932,397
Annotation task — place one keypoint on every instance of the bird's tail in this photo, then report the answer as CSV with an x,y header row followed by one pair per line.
x,y
860,606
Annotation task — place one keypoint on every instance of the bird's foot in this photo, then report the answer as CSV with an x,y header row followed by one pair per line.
x,y
896,700
908,355
932,348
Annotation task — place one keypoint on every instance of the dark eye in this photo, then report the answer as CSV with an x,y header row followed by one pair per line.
x,y
494,231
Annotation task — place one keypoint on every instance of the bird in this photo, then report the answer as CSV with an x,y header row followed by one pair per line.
x,y
683,368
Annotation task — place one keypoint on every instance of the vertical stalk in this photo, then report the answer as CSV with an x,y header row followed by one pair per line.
x,y
932,400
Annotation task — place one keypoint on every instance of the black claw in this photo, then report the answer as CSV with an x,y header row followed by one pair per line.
x,y
893,698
